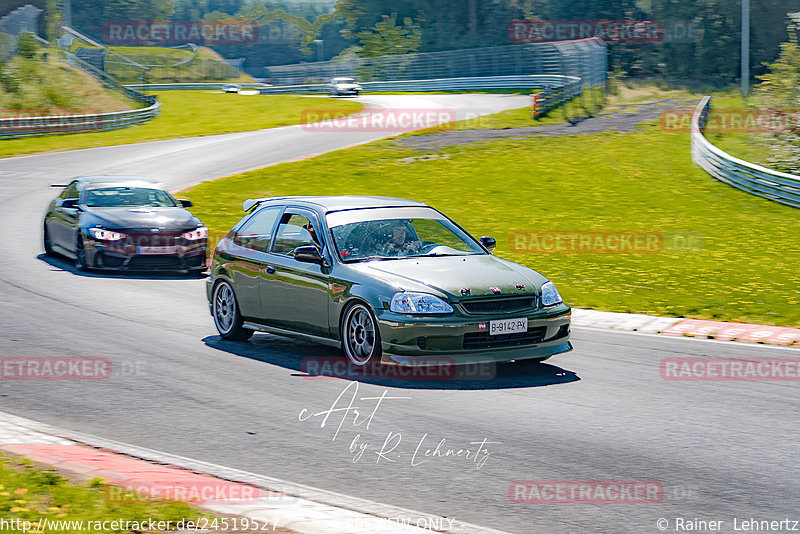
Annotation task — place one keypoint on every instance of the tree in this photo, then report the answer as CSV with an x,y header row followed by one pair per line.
x,y
779,91
387,37
27,45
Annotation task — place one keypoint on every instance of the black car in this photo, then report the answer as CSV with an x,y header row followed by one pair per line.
x,y
124,223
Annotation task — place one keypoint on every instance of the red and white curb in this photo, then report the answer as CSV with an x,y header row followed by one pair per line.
x,y
676,326
268,501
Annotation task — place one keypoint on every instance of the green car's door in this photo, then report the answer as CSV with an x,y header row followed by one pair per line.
x,y
246,257
294,295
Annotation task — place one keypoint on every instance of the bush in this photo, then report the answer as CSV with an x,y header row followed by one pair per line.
x,y
28,46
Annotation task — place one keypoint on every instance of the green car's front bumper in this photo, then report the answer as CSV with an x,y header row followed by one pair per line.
x,y
465,339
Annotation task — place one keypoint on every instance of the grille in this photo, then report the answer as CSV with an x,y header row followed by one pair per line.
x,y
152,239
195,261
151,262
499,305
111,261
482,340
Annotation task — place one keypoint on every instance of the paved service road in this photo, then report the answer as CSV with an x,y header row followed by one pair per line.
x,y
720,449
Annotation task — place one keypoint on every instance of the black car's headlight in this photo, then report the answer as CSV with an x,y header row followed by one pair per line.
x,y
201,232
409,302
101,234
550,295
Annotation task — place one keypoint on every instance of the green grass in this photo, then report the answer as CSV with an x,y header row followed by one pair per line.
x,y
206,66
191,114
743,269
38,87
29,493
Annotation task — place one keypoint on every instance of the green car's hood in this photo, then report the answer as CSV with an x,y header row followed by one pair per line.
x,y
450,274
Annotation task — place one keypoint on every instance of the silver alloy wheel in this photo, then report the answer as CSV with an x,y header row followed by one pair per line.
x,y
224,308
360,337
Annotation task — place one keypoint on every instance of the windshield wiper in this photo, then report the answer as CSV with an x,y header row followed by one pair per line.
x,y
370,258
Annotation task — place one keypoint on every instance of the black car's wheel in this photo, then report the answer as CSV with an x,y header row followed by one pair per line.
x,y
226,314
48,246
80,254
361,339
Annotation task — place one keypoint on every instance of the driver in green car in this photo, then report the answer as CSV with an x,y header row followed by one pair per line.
x,y
400,244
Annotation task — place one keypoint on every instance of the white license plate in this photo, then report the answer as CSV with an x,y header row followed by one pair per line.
x,y
158,250
508,326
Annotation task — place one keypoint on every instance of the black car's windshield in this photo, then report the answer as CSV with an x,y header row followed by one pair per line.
x,y
115,197
390,233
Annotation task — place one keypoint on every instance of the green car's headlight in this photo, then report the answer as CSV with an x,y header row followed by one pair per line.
x,y
409,302
550,296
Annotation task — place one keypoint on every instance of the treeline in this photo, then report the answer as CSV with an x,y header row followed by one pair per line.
x,y
701,41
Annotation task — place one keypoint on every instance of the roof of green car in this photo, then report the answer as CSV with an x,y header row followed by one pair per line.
x,y
337,203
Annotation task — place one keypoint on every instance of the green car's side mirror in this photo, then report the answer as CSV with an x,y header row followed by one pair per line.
x,y
489,243
308,254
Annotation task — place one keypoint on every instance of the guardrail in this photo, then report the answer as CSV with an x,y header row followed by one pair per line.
x,y
556,89
14,127
755,179
188,86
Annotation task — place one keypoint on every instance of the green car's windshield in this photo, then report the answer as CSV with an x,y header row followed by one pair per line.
x,y
117,197
390,233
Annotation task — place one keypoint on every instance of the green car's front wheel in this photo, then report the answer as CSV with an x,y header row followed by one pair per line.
x,y
361,339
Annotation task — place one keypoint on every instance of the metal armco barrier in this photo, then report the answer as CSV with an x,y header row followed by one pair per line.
x,y
566,69
556,90
207,86
755,179
13,127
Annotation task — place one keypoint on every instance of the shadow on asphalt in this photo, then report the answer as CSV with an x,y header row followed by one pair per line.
x,y
61,263
316,362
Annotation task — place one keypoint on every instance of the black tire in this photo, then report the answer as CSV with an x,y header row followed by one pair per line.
x,y
80,254
48,246
361,338
225,311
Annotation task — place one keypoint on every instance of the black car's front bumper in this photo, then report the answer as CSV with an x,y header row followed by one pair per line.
x,y
185,259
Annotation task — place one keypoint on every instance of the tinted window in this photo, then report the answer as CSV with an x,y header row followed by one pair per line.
x,y
118,197
370,233
294,231
256,233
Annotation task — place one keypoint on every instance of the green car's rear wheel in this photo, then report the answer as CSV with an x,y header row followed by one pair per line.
x,y
226,314
361,339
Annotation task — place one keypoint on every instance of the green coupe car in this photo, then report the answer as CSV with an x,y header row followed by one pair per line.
x,y
384,279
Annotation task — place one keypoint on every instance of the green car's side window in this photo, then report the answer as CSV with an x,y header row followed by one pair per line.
x,y
294,231
256,233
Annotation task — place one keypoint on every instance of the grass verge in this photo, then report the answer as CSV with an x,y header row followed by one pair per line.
x,y
29,493
740,266
191,114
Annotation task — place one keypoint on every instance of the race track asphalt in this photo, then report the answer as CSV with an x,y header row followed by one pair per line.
x,y
721,450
